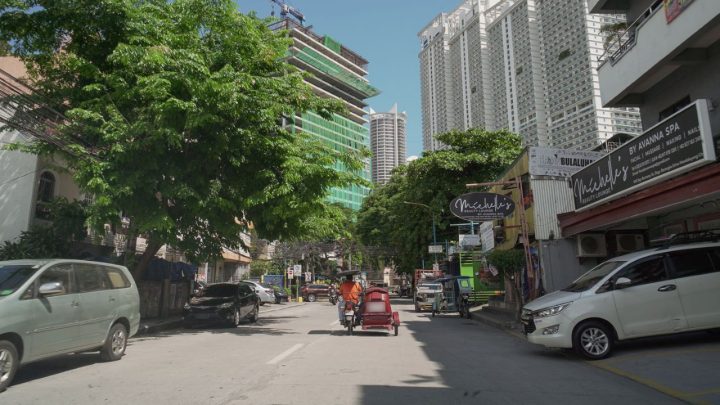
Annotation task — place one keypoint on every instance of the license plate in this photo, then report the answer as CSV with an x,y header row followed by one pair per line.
x,y
348,313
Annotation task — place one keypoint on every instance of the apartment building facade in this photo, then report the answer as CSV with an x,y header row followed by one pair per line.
x,y
387,142
531,65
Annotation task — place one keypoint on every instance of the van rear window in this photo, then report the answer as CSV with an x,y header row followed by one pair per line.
x,y
117,279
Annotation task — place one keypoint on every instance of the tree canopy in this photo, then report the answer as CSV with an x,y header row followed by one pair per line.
x,y
434,180
173,117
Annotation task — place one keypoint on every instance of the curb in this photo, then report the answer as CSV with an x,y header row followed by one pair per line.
x,y
177,323
146,329
507,325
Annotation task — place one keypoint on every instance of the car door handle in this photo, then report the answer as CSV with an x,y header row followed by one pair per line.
x,y
112,299
669,287
75,304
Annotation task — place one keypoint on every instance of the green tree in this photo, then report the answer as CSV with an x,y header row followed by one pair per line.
x,y
510,263
434,180
174,118
66,226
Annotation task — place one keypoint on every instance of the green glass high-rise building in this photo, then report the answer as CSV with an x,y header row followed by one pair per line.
x,y
339,73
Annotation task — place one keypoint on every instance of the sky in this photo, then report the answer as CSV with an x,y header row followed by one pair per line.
x,y
384,32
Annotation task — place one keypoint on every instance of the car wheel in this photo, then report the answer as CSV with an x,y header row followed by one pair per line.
x,y
417,308
236,317
254,314
9,361
593,340
311,298
115,343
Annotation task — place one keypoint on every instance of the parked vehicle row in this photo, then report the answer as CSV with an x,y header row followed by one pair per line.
x,y
223,302
651,292
54,307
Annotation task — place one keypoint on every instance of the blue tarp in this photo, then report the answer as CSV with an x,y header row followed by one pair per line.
x,y
176,271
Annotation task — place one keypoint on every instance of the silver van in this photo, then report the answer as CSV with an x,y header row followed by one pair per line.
x,y
54,307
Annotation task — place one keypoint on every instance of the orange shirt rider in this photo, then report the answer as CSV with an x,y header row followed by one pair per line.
x,y
350,290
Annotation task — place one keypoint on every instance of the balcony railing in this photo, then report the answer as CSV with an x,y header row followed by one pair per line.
x,y
626,39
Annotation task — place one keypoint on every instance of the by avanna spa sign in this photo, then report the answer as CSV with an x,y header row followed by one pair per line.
x,y
678,144
480,207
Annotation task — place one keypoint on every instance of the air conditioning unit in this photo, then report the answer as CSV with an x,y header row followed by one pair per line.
x,y
591,245
629,242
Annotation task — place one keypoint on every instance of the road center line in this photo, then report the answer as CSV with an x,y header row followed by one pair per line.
x,y
280,357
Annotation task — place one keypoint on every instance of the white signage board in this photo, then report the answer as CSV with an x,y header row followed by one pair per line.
x,y
469,240
290,272
487,235
435,248
559,162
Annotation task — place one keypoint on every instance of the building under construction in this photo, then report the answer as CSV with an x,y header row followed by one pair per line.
x,y
339,73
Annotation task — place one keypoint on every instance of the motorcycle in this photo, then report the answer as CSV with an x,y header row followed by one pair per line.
x,y
333,297
350,316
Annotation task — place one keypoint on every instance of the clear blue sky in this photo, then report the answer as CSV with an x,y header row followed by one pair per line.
x,y
385,33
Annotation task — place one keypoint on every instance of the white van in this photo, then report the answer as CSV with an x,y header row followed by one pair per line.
x,y
652,292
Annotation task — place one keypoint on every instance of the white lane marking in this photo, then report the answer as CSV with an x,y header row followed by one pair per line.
x,y
335,322
280,357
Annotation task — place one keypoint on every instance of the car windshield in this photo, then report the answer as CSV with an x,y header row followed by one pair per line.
x,y
589,279
13,276
220,290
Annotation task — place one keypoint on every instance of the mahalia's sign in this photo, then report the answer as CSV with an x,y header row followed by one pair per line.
x,y
481,207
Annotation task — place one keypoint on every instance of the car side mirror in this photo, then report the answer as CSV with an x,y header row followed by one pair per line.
x,y
622,282
52,288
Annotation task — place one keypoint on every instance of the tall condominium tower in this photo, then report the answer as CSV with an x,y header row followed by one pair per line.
x,y
436,95
387,141
534,63
339,73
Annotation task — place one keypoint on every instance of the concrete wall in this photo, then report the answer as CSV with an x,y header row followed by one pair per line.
x,y
560,263
700,80
18,172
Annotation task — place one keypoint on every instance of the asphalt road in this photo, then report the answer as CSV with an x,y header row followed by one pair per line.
x,y
300,355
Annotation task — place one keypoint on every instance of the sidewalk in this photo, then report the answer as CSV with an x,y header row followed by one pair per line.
x,y
154,325
497,317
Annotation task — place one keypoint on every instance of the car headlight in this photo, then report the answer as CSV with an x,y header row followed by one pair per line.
x,y
226,305
550,311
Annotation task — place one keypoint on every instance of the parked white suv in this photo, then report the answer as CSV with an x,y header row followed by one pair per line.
x,y
652,292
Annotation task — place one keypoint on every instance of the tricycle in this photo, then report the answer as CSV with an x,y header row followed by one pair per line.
x,y
374,312
454,296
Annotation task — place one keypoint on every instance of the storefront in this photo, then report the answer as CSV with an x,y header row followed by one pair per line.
x,y
664,182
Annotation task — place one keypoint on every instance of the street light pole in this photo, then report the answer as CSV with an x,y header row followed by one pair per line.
x,y
432,214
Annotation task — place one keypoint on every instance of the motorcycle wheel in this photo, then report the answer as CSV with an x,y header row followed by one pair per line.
x,y
396,330
350,328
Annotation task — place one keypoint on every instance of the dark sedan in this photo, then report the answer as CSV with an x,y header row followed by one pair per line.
x,y
222,302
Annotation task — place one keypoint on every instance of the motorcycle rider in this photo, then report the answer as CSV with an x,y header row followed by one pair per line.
x,y
349,290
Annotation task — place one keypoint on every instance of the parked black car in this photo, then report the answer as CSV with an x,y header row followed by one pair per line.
x,y
222,302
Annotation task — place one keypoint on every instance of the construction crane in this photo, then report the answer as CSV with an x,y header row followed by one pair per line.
x,y
286,9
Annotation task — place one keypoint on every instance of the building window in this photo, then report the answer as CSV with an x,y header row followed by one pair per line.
x,y
45,194
674,108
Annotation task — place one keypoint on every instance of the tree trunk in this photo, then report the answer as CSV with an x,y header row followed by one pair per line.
x,y
150,250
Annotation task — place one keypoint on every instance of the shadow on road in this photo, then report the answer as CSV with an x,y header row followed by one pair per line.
x,y
49,367
475,363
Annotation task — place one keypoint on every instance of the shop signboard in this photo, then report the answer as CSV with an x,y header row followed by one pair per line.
x,y
480,207
676,145
488,236
557,162
469,240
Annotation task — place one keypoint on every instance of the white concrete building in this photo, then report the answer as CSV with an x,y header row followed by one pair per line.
x,y
387,142
27,182
525,65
